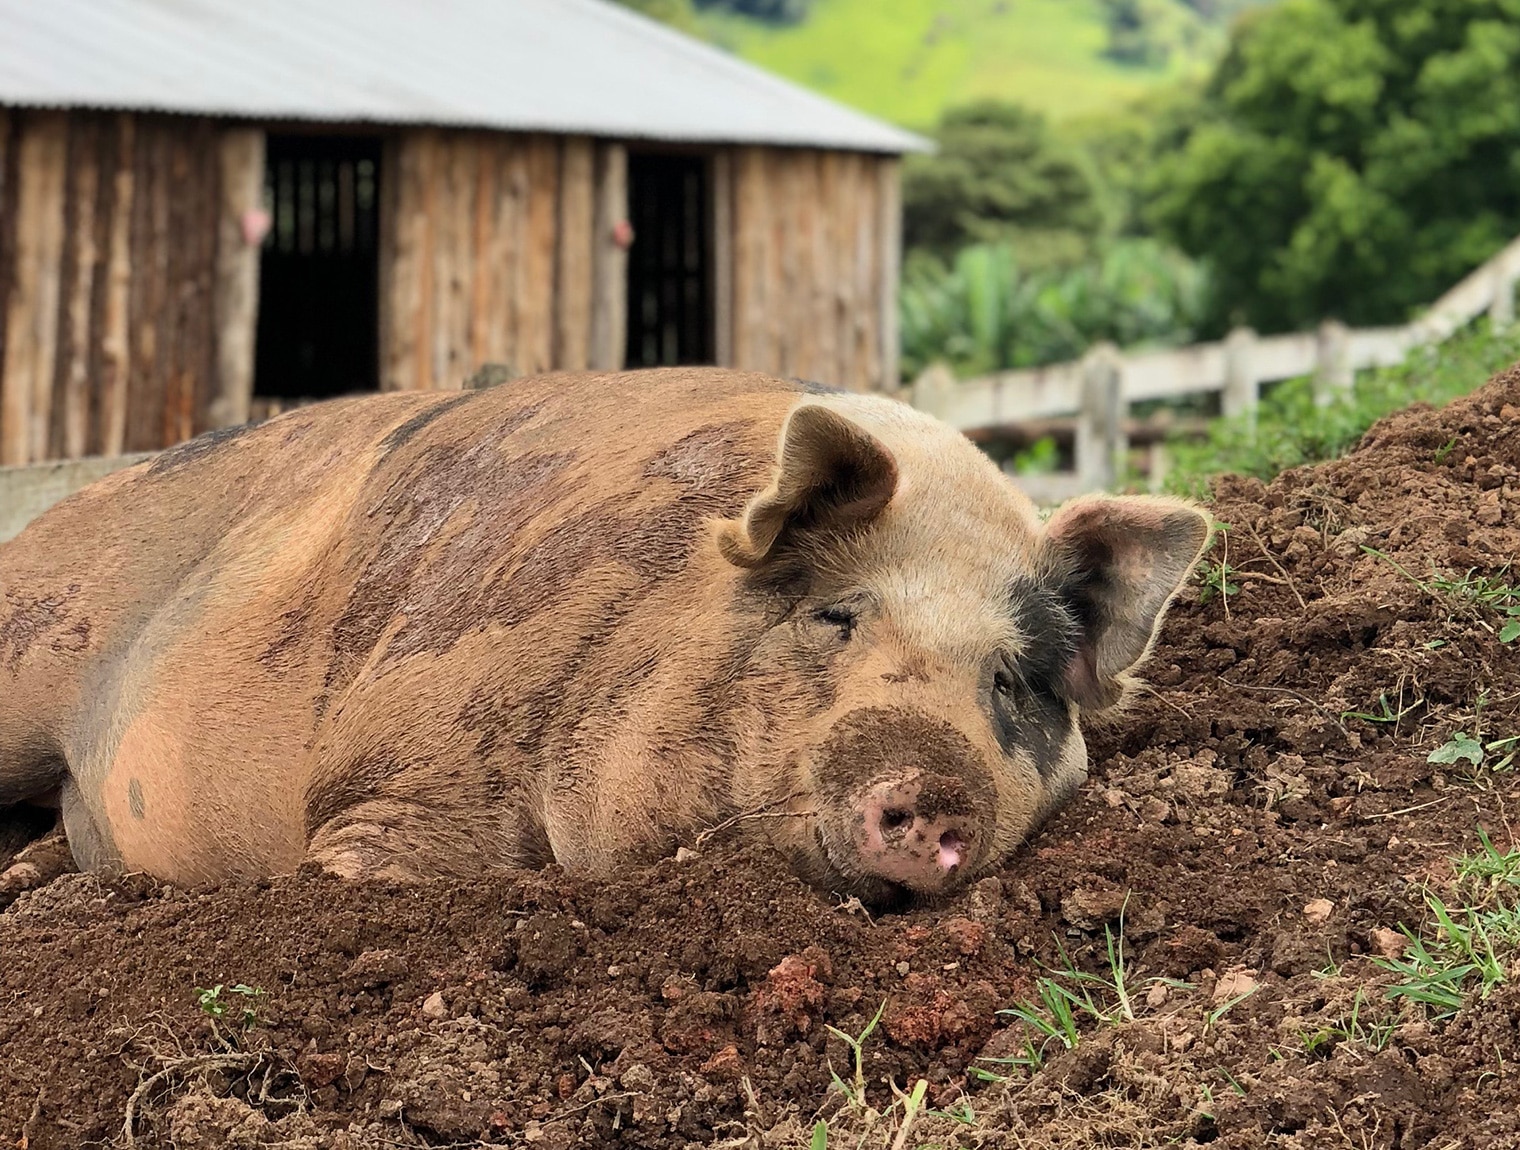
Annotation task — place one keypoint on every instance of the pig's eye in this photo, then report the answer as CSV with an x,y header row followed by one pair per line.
x,y
840,617
1006,681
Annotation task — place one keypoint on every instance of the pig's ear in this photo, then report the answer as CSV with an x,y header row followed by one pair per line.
x,y
832,476
1117,562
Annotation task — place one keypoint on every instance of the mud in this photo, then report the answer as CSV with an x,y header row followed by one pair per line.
x,y
1262,819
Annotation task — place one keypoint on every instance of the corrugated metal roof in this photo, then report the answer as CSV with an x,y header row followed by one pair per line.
x,y
573,66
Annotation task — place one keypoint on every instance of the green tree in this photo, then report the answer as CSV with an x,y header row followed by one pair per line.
x,y
676,13
1353,158
998,175
770,11
1135,35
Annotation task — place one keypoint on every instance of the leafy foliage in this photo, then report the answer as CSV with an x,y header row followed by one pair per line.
x,y
998,173
983,312
1473,941
1145,33
676,13
1352,158
772,11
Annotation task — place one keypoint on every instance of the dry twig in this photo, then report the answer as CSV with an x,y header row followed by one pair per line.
x,y
1272,559
197,1064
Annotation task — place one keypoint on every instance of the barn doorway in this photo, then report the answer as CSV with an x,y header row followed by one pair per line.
x,y
670,279
319,271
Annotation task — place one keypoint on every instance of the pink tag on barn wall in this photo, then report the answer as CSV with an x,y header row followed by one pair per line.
x,y
256,223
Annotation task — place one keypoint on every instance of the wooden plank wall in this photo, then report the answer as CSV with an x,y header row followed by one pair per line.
x,y
491,254
108,255
128,295
498,248
814,252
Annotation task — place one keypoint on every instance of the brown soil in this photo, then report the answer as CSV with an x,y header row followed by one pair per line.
x,y
690,1004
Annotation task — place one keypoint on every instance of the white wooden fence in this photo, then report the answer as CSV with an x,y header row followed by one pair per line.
x,y
1095,392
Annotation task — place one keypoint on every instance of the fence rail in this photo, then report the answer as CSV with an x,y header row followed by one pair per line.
x,y
1095,392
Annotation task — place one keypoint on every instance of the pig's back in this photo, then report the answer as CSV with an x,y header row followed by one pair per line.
x,y
356,499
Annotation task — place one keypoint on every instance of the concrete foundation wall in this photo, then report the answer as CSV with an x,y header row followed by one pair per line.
x,y
26,492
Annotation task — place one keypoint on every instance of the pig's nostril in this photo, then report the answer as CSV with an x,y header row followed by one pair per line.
x,y
896,821
952,850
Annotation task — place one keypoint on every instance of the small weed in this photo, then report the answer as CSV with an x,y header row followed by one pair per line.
x,y
1352,1028
1462,746
1490,867
1230,1078
1065,996
1445,449
1218,579
222,1009
1459,746
820,1139
962,1112
1213,1016
1385,712
855,1094
1331,969
1473,942
1474,594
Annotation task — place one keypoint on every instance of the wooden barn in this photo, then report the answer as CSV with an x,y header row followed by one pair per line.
x,y
210,210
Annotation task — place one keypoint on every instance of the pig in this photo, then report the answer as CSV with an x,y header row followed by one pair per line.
x,y
572,619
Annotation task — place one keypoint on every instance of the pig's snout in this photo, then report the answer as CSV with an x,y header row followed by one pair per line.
x,y
917,830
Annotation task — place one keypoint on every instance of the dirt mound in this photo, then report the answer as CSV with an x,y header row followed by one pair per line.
x,y
1262,819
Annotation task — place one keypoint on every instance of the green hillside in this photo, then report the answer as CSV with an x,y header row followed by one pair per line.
x,y
905,60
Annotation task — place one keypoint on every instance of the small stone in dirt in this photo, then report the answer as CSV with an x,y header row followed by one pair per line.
x,y
1233,983
375,968
1318,911
319,1070
637,1077
1154,810
903,968
1388,943
686,855
1489,513
1089,909
967,936
724,1066
1157,995
433,1005
985,900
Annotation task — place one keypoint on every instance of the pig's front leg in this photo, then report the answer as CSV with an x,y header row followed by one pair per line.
x,y
403,841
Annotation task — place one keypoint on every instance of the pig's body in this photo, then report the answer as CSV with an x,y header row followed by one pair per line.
x,y
576,619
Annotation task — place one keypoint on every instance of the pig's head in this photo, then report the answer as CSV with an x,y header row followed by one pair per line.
x,y
926,644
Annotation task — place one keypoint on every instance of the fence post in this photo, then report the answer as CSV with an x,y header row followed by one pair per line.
x,y
1100,424
1501,309
932,389
1333,372
1242,386
1160,464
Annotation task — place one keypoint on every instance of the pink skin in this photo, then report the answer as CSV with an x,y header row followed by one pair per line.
x,y
896,842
